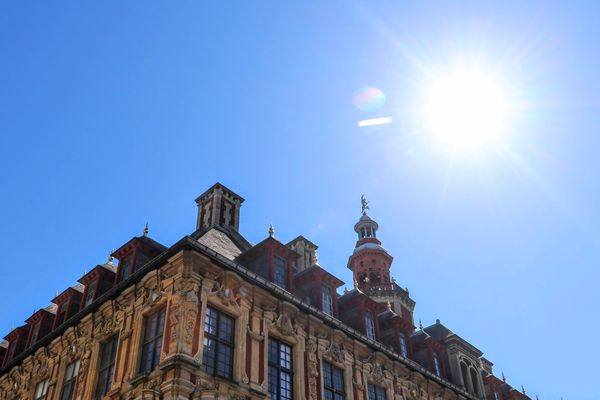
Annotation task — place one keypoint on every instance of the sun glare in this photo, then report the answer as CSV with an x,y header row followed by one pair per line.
x,y
466,109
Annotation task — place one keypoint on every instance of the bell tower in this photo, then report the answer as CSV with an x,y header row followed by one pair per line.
x,y
369,262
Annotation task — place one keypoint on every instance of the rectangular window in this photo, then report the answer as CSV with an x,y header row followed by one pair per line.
x,y
403,346
41,389
436,365
68,388
35,333
62,312
152,340
280,370
327,300
369,325
125,268
217,358
280,272
91,291
106,369
333,382
376,392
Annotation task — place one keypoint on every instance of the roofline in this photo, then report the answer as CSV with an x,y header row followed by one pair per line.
x,y
189,243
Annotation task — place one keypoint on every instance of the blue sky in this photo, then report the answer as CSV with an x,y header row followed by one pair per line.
x,y
118,113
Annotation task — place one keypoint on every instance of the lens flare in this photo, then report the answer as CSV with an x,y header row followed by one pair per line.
x,y
369,98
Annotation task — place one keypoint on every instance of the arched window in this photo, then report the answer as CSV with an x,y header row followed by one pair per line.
x,y
475,381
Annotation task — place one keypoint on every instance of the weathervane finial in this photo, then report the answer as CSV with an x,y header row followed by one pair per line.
x,y
364,204
146,230
271,230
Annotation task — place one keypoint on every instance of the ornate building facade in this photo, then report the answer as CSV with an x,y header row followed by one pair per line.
x,y
216,317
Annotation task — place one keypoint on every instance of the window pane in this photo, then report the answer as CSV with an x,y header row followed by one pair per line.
x,y
327,300
280,272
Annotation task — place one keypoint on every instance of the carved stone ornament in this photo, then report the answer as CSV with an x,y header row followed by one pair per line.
x,y
334,351
313,368
41,365
284,324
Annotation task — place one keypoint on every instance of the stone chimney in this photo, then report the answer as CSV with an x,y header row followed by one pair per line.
x,y
219,206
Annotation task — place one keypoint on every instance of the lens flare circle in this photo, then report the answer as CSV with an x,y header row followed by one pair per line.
x,y
466,108
369,98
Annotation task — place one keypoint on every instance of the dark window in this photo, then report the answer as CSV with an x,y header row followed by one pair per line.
x,y
35,333
327,300
217,358
280,272
436,364
41,390
106,368
376,392
280,370
140,260
62,312
152,342
68,388
369,325
125,268
91,291
403,346
333,382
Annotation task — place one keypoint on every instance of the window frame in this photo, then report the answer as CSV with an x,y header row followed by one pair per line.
x,y
282,268
403,345
370,325
325,289
152,341
90,293
378,392
279,369
67,391
44,390
437,367
335,393
110,367
220,344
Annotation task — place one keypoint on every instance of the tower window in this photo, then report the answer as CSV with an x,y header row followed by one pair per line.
x,y
280,275
376,392
369,325
333,382
327,300
217,358
106,369
436,365
403,345
68,388
152,341
280,370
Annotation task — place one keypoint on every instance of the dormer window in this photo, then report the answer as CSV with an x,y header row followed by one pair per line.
x,y
369,325
91,292
125,268
62,313
280,273
403,345
327,300
436,365
35,333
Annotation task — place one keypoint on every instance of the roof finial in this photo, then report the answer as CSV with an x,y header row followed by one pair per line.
x,y
523,389
420,324
364,204
146,230
345,290
110,257
271,230
503,377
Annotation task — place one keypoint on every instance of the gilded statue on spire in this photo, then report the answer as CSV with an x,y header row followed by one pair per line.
x,y
365,204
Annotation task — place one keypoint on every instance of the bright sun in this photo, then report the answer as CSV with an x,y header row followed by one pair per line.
x,y
466,109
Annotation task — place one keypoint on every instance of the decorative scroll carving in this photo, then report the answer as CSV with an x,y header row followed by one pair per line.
x,y
334,351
